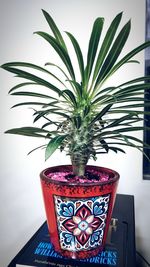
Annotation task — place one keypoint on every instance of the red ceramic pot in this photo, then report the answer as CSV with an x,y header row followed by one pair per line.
x,y
78,215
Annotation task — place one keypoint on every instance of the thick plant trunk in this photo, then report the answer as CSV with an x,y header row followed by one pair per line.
x,y
79,165
78,170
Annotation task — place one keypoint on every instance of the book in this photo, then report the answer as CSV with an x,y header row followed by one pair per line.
x,y
39,252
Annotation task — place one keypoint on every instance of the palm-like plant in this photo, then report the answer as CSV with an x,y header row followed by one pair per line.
x,y
91,118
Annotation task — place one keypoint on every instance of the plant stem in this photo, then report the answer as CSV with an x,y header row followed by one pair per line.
x,y
79,170
79,165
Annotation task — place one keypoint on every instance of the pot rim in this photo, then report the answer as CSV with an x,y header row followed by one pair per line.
x,y
113,179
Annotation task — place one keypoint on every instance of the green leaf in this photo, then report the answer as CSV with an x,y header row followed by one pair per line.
x,y
117,122
127,143
101,114
28,104
135,105
43,113
126,58
93,45
78,54
71,96
104,145
124,138
53,145
133,138
42,146
106,44
51,104
33,66
103,99
129,98
135,112
116,149
114,52
24,93
54,29
137,80
132,89
20,85
78,88
58,67
62,71
126,85
119,95
49,123
133,61
60,51
29,76
49,111
29,131
121,130
105,91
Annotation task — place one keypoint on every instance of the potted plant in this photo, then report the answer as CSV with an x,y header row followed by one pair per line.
x,y
84,118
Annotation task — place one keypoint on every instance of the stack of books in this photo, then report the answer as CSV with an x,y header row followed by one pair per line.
x,y
119,250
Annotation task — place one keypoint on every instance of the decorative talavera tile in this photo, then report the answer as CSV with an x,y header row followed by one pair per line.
x,y
81,222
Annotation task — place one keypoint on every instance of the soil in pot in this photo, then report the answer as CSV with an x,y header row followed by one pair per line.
x,y
91,176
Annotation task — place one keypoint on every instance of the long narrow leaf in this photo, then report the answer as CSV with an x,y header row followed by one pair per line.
x,y
133,88
126,58
24,93
114,52
109,37
133,61
49,123
104,99
78,54
117,122
93,44
29,131
33,66
62,71
105,91
29,76
104,145
122,99
101,114
28,104
134,106
41,114
54,29
115,95
42,146
124,144
137,80
78,88
121,130
128,111
58,67
70,95
60,51
128,85
53,145
116,149
20,85
124,138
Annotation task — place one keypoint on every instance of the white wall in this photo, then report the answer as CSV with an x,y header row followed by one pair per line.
x,y
21,207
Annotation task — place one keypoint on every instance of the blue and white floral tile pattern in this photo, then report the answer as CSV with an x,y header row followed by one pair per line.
x,y
81,222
